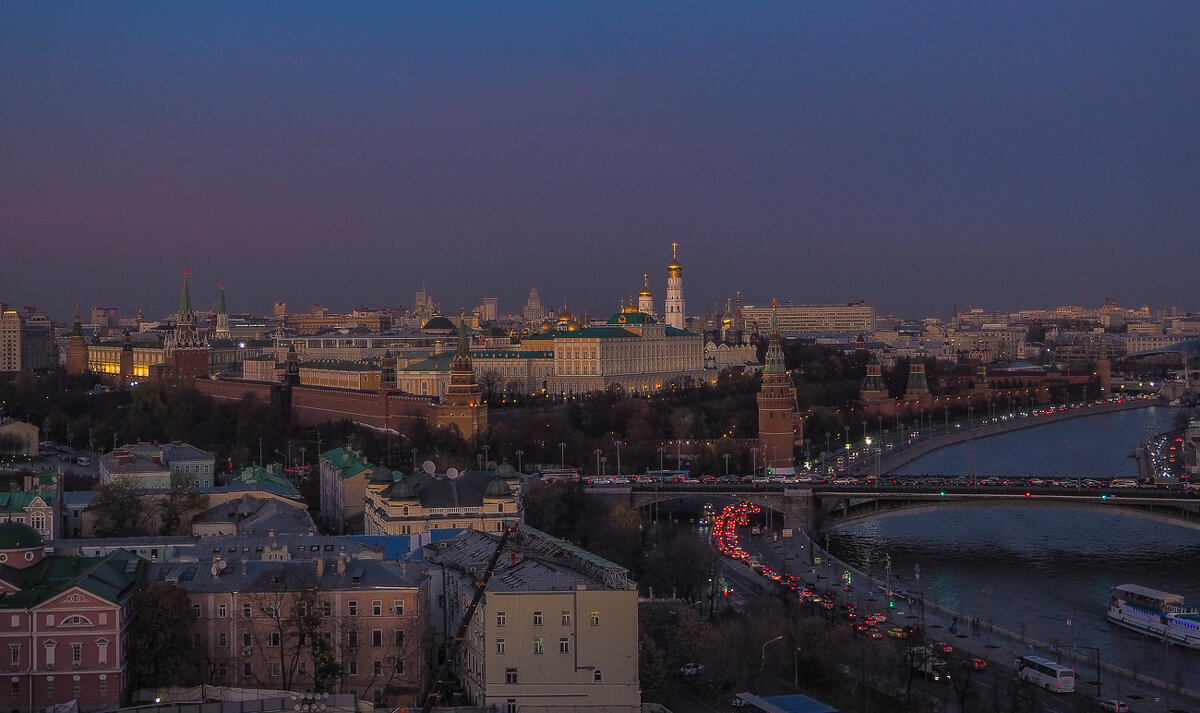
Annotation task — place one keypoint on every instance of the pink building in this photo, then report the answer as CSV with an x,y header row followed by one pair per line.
x,y
63,622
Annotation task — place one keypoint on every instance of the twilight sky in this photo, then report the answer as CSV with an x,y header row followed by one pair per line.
x,y
918,155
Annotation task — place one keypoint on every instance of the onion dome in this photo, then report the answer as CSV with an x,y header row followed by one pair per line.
x,y
381,475
646,285
674,269
440,323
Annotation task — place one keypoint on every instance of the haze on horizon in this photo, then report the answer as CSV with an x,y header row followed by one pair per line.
x,y
917,155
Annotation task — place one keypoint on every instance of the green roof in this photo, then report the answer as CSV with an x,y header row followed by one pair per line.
x,y
347,462
113,577
18,536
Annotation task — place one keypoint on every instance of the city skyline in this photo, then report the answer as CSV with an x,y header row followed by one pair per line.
x,y
922,157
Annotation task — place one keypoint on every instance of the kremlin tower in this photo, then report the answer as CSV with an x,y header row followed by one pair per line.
x,y
777,419
673,311
189,351
222,331
77,348
463,403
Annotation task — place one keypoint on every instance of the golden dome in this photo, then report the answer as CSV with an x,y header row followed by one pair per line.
x,y
674,269
646,286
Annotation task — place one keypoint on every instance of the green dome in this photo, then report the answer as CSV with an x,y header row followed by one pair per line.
x,y
18,536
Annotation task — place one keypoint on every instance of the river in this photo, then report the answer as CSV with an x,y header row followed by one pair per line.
x,y
1043,572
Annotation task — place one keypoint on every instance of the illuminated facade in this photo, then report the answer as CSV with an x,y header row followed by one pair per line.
x,y
852,318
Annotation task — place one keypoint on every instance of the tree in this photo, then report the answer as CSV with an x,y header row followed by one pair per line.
x,y
119,509
179,500
160,638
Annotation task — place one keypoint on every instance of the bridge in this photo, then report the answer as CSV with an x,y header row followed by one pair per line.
x,y
825,506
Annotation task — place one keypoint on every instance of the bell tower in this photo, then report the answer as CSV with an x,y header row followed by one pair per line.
x,y
673,311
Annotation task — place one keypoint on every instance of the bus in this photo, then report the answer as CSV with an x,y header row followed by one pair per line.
x,y
668,476
1047,674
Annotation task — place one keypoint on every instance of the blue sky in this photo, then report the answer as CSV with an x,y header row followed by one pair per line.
x,y
917,155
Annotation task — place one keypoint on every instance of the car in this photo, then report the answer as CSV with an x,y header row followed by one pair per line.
x,y
739,702
690,669
897,633
975,664
875,633
942,648
1115,706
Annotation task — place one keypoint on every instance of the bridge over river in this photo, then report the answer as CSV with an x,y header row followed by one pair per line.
x,y
825,506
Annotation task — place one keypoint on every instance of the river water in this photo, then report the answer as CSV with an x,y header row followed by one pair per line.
x,y
1033,570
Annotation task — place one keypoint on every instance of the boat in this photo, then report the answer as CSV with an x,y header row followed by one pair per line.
x,y
1154,613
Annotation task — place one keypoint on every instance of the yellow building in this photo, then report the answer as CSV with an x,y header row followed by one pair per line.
x,y
473,500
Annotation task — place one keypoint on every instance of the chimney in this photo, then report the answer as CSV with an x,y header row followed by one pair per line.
x,y
245,567
320,566
341,566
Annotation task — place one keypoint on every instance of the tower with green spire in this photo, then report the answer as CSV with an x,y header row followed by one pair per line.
x,y
222,331
777,419
188,353
463,405
77,348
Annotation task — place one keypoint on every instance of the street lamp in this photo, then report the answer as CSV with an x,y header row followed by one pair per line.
x,y
598,461
727,464
562,458
661,451
762,663
618,445
519,454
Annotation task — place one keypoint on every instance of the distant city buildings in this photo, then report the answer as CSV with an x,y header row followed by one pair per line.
x,y
27,341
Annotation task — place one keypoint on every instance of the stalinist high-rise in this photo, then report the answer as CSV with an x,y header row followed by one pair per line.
x,y
673,310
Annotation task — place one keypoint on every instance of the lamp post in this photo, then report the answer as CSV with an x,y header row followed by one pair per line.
x,y
562,458
414,455
597,461
618,445
486,448
762,661
661,451
519,455
1097,650
603,465
726,464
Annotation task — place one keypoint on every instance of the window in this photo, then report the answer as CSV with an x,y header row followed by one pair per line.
x,y
196,608
398,607
246,610
247,671
76,654
14,652
501,619
353,607
75,687
566,618
222,640
352,640
510,705
273,639
399,638
102,648
222,612
537,618
16,687
500,646
103,685
273,669
537,645
377,637
303,668
597,676
510,675
16,621
246,641
595,618
353,668
377,608
327,608
377,668
564,646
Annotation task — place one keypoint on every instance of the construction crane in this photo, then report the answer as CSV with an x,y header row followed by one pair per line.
x,y
456,643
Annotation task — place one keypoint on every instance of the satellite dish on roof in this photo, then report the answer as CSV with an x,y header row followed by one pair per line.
x,y
428,467
452,473
222,564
